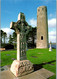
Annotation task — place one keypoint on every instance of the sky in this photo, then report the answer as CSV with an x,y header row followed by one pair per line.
x,y
11,8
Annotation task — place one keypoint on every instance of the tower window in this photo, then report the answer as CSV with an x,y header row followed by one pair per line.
x,y
41,37
42,8
38,9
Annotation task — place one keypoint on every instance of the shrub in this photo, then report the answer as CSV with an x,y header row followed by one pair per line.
x,y
8,46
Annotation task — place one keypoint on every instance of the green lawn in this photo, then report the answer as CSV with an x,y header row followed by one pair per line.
x,y
36,56
43,55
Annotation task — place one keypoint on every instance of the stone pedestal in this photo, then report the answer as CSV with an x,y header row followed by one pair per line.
x,y
50,49
20,68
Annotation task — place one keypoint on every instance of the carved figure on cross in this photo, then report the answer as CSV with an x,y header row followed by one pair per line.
x,y
21,27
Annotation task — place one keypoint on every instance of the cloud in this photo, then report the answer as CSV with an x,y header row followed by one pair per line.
x,y
52,33
51,15
8,31
33,22
52,36
52,22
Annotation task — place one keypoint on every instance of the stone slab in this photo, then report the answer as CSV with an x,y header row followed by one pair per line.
x,y
45,73
8,75
39,74
4,68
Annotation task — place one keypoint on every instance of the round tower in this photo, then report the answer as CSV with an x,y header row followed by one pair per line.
x,y
42,27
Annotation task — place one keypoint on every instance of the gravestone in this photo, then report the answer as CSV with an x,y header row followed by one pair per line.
x,y
21,66
50,48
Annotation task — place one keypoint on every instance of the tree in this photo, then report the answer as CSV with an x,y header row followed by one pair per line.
x,y
1,35
32,36
10,39
4,36
14,39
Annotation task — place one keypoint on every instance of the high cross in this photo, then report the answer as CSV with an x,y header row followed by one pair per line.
x,y
21,27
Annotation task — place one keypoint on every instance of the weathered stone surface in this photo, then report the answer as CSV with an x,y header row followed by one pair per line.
x,y
39,74
21,28
45,73
42,27
20,16
19,68
4,68
8,75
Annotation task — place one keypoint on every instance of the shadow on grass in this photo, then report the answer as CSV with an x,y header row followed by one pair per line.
x,y
39,66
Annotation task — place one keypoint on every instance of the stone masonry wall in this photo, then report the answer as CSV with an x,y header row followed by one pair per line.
x,y
42,27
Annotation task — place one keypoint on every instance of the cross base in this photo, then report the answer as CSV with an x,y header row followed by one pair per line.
x,y
50,49
20,68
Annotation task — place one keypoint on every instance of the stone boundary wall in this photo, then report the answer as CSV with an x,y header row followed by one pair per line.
x,y
1,49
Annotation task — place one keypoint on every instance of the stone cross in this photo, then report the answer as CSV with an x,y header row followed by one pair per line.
x,y
50,48
21,27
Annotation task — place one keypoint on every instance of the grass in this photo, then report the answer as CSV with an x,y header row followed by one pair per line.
x,y
43,55
7,60
36,56
51,68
